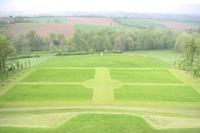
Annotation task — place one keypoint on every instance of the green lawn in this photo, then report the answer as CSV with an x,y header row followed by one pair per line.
x,y
157,93
60,75
168,56
144,76
47,93
139,82
107,60
100,123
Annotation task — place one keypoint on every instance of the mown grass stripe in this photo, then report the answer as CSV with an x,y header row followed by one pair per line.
x,y
50,83
145,68
154,84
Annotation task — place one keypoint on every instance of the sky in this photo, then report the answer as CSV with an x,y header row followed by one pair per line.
x,y
138,6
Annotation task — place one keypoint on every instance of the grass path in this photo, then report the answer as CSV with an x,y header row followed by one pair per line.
x,y
155,84
50,83
103,86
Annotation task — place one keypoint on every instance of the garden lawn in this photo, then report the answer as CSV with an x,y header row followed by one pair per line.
x,y
144,76
107,60
60,75
157,93
47,93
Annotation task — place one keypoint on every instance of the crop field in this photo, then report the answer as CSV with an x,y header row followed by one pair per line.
x,y
159,24
49,19
140,23
62,25
91,20
73,21
108,93
42,29
177,25
90,27
69,25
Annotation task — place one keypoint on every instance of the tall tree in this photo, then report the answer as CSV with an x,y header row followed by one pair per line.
x,y
6,50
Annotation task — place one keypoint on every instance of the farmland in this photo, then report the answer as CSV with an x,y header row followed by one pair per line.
x,y
69,25
158,23
62,25
43,29
177,25
46,19
126,92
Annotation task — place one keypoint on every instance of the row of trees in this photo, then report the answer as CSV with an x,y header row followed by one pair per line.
x,y
6,50
97,41
29,42
111,40
33,42
189,47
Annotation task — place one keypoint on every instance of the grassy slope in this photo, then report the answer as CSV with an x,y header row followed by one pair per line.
x,y
98,123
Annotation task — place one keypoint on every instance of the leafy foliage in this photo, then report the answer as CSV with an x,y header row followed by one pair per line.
x,y
189,47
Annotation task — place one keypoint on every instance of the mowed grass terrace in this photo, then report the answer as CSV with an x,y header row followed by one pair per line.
x,y
62,79
90,82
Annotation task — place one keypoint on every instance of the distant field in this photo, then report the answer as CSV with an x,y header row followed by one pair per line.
x,y
85,27
62,25
60,75
91,20
49,93
43,29
50,19
73,21
177,25
160,24
140,23
107,60
69,25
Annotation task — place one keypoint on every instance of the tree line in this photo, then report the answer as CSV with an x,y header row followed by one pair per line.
x,y
189,47
109,40
97,41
